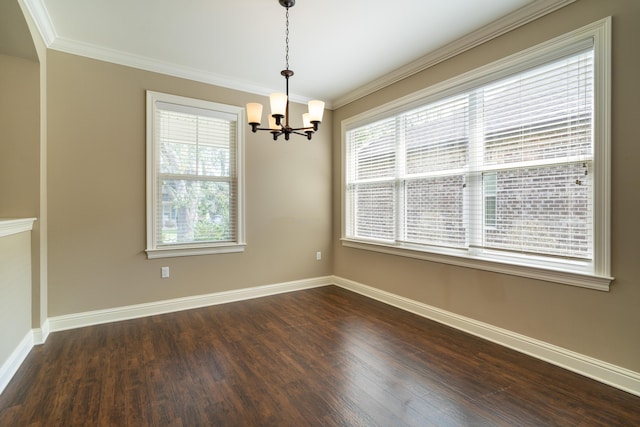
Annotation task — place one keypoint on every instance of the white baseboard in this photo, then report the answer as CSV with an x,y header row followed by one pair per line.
x,y
12,364
79,320
598,370
41,334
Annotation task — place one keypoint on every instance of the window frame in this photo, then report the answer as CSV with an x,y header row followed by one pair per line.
x,y
594,274
153,173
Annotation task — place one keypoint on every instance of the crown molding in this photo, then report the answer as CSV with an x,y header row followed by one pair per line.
x,y
522,16
100,53
40,16
145,63
495,29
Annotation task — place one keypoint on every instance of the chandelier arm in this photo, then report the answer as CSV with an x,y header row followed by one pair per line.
x,y
284,129
300,133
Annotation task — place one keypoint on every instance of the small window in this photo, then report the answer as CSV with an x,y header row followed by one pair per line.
x,y
194,179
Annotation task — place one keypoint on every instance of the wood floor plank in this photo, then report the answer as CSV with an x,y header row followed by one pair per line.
x,y
319,357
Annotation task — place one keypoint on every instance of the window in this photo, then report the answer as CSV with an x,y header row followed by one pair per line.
x,y
194,177
504,169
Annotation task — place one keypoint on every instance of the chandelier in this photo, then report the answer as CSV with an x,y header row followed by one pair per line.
x,y
279,118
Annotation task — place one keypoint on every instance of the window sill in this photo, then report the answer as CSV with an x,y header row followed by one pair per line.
x,y
574,278
193,251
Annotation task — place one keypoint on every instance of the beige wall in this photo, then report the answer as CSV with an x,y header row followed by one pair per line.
x,y
598,324
19,138
96,195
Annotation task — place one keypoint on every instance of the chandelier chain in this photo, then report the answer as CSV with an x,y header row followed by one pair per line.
x,y
287,41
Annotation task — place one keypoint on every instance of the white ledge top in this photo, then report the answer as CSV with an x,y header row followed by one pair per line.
x,y
9,226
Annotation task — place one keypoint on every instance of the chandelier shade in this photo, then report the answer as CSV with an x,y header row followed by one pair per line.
x,y
279,103
254,112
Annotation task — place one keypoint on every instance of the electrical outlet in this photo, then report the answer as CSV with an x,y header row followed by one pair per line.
x,y
165,272
318,256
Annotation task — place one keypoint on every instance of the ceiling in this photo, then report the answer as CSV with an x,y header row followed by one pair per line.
x,y
339,50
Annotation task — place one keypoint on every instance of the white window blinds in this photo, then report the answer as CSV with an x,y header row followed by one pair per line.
x,y
504,166
371,185
535,154
436,155
195,174
196,183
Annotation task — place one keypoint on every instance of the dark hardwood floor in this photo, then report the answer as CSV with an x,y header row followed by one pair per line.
x,y
319,357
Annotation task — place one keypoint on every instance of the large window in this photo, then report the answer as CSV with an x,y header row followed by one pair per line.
x,y
505,168
194,185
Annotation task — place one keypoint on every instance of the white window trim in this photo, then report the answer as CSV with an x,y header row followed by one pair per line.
x,y
204,248
594,275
